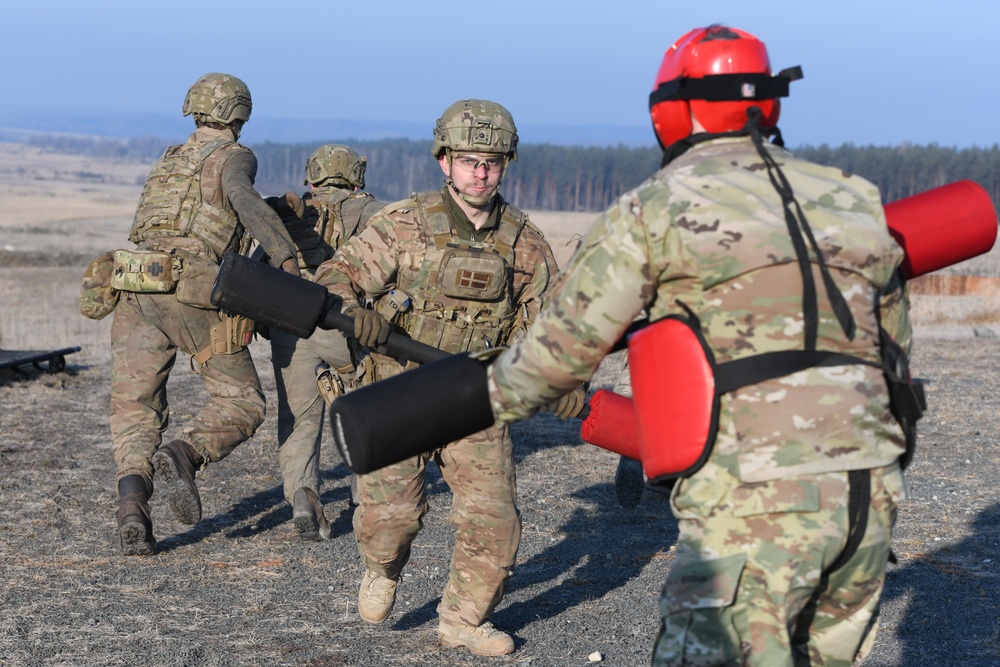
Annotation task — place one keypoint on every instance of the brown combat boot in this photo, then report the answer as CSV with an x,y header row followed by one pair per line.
x,y
175,464
376,597
135,526
308,516
480,639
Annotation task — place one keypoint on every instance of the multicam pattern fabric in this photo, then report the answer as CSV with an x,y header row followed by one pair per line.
x,y
149,329
327,216
321,220
97,297
399,250
749,560
183,195
765,515
709,231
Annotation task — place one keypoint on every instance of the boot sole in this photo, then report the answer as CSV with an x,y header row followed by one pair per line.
x,y
307,527
181,492
135,541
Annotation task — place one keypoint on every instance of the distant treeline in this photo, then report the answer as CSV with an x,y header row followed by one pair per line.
x,y
570,178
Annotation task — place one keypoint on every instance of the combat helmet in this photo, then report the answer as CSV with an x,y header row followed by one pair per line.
x,y
336,163
716,73
475,126
218,98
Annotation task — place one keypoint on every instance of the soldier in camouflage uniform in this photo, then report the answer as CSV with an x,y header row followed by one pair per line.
x,y
785,529
319,222
474,269
198,204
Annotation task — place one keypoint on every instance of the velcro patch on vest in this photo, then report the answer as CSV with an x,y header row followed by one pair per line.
x,y
472,273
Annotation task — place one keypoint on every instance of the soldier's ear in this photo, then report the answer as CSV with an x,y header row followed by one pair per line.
x,y
445,164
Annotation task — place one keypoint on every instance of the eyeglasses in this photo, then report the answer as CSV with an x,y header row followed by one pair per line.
x,y
470,162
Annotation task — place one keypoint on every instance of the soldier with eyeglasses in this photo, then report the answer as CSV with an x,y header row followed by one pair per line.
x,y
474,270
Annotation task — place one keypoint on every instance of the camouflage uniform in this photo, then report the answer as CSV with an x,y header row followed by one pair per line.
x,y
407,246
149,328
331,214
766,516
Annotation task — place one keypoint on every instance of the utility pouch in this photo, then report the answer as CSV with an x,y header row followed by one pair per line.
x,y
329,384
230,335
196,280
472,273
145,271
97,297
392,305
907,400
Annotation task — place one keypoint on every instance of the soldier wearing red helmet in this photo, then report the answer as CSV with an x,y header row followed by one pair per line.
x,y
782,268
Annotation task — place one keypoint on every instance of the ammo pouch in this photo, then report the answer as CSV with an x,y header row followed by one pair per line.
x,y
97,297
472,273
145,271
194,285
229,336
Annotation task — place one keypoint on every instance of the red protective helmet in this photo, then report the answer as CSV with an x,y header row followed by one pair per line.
x,y
717,73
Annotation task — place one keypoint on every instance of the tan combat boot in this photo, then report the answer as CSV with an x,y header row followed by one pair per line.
x,y
308,516
481,640
175,464
376,597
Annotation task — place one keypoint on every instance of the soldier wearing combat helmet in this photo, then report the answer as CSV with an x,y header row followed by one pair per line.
x,y
474,270
783,274
333,210
198,204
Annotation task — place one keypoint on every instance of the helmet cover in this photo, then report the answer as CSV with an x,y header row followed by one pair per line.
x,y
337,162
219,98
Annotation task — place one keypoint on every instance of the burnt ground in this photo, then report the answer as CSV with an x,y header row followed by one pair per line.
x,y
241,589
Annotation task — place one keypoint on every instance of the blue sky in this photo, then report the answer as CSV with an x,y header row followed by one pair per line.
x,y
877,72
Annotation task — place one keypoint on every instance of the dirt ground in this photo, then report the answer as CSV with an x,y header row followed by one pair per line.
x,y
241,589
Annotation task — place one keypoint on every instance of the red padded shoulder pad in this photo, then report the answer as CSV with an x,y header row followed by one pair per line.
x,y
673,389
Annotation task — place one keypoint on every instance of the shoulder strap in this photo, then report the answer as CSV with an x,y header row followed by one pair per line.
x,y
512,221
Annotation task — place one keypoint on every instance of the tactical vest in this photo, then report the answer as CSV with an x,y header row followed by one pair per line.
x,y
465,305
181,198
329,217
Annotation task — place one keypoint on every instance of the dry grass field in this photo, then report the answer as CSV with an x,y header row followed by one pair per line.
x,y
240,589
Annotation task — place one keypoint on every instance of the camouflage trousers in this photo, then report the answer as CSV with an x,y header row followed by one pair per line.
x,y
749,586
480,471
148,330
301,409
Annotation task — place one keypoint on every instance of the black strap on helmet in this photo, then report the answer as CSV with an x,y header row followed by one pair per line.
x,y
726,87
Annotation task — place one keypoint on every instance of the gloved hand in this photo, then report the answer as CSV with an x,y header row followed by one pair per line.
x,y
287,206
570,405
291,265
370,327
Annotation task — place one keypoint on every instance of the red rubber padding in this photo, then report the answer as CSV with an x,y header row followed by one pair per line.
x,y
942,226
673,390
611,424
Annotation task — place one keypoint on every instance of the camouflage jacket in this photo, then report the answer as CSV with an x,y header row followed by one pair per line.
x,y
709,230
322,219
402,247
